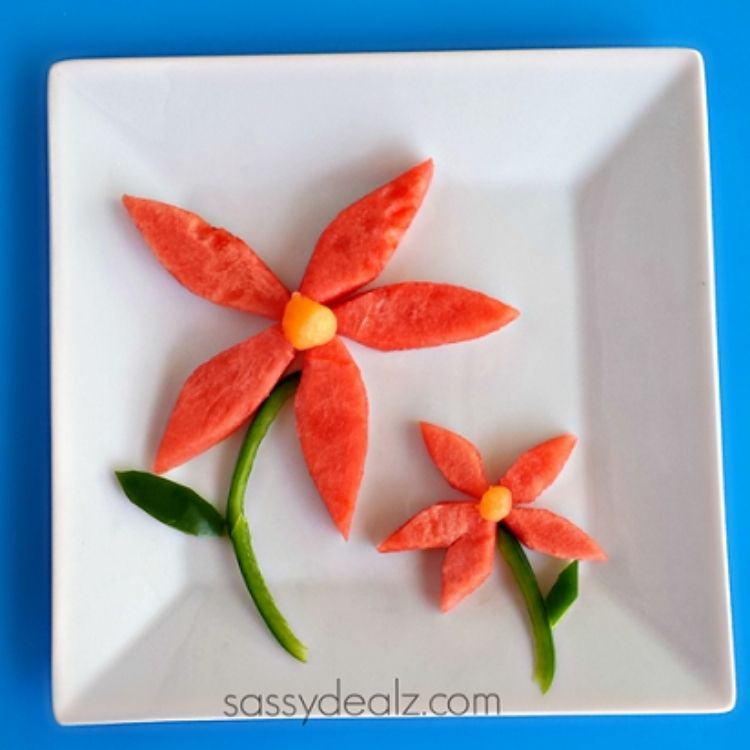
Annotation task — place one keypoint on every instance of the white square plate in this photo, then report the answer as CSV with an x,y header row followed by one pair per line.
x,y
573,185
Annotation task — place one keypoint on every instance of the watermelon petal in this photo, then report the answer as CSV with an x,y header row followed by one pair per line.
x,y
468,562
546,532
459,460
534,470
413,315
435,527
331,410
356,245
222,394
209,261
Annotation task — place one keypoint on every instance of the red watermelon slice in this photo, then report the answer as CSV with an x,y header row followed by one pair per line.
x,y
207,260
458,460
357,244
547,532
467,563
331,410
222,394
534,470
414,315
433,528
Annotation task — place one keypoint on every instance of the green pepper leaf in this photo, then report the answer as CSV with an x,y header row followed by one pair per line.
x,y
563,593
239,529
544,645
171,503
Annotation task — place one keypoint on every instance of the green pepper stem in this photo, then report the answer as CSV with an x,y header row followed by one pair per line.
x,y
239,529
544,645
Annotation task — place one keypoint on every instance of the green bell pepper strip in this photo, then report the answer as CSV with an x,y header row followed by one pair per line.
x,y
544,645
239,530
563,593
171,503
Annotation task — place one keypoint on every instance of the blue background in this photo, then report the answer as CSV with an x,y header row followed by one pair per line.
x,y
33,35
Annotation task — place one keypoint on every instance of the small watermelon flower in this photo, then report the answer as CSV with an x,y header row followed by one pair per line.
x,y
331,402
468,529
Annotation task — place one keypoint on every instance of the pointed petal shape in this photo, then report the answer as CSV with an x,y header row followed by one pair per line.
x,y
435,527
458,460
331,409
357,244
467,563
536,469
222,394
413,315
554,535
209,261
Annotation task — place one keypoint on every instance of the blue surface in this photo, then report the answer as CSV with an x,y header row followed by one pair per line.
x,y
35,34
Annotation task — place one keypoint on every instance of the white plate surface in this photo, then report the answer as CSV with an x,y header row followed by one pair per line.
x,y
572,184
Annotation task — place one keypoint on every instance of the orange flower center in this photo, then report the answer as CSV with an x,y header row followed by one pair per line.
x,y
306,323
495,503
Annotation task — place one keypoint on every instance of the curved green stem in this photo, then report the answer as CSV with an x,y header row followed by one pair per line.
x,y
239,530
544,645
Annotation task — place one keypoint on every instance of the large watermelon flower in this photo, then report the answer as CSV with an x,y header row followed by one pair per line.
x,y
468,528
331,403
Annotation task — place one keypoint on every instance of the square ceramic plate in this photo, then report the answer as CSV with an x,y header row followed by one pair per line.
x,y
572,184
